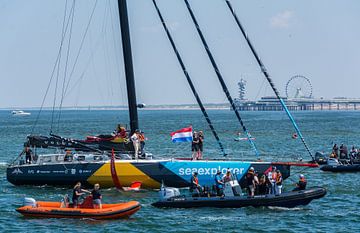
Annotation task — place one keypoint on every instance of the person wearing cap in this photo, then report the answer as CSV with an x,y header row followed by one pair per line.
x,y
250,182
219,184
272,179
195,184
278,183
301,184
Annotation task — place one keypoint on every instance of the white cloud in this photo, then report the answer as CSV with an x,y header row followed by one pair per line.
x,y
281,20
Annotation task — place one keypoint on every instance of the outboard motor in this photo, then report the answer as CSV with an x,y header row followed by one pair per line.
x,y
332,162
166,193
28,201
232,188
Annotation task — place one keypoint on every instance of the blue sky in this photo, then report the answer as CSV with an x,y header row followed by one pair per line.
x,y
317,39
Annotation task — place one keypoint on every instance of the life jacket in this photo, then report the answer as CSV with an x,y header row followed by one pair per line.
x,y
141,137
273,176
196,180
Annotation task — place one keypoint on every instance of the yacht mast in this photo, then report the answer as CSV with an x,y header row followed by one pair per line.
x,y
129,71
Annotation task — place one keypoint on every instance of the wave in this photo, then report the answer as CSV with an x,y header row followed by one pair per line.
x,y
3,164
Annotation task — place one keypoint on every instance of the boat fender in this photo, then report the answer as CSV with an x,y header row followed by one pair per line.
x,y
28,201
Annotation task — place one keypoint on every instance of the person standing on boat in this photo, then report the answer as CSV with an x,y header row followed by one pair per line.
x,y
136,142
142,141
301,185
195,145
336,150
77,192
96,196
227,177
219,184
201,142
28,154
343,151
195,184
250,182
262,187
272,179
278,183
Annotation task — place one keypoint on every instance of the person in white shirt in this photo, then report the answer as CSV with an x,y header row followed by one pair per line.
x,y
136,142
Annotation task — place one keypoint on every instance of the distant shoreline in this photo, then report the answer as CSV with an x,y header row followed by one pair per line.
x,y
125,108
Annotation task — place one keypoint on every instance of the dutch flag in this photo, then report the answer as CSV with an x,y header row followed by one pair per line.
x,y
182,135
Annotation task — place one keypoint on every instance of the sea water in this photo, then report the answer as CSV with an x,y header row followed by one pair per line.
x,y
338,211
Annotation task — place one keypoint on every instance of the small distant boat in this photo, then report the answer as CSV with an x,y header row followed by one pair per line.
x,y
171,198
243,139
60,210
20,113
333,165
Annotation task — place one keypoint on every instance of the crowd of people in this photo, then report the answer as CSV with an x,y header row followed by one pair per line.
x,y
271,183
197,145
342,153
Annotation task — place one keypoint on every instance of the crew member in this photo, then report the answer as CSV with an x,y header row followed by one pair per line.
x,y
28,154
136,142
96,196
278,183
250,182
301,185
219,184
201,144
142,141
68,156
77,192
195,183
195,146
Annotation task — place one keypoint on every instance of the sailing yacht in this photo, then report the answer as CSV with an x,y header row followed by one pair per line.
x,y
92,163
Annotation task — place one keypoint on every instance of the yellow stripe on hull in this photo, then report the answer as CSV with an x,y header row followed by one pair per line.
x,y
126,172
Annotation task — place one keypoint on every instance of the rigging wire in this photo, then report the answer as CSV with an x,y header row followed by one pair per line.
x,y
220,78
66,62
203,110
53,71
81,45
267,76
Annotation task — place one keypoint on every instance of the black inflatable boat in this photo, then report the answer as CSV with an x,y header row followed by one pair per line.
x,y
341,168
334,165
287,199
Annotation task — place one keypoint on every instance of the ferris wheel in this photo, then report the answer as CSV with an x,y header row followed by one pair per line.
x,y
299,86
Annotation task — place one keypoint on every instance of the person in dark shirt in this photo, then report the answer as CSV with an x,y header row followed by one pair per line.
x,y
201,144
262,188
28,154
301,185
96,196
77,192
195,146
250,182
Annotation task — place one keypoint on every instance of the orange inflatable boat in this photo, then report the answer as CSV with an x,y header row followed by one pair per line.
x,y
86,210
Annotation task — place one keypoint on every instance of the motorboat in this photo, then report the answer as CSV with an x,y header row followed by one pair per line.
x,y
47,209
233,198
20,113
334,165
